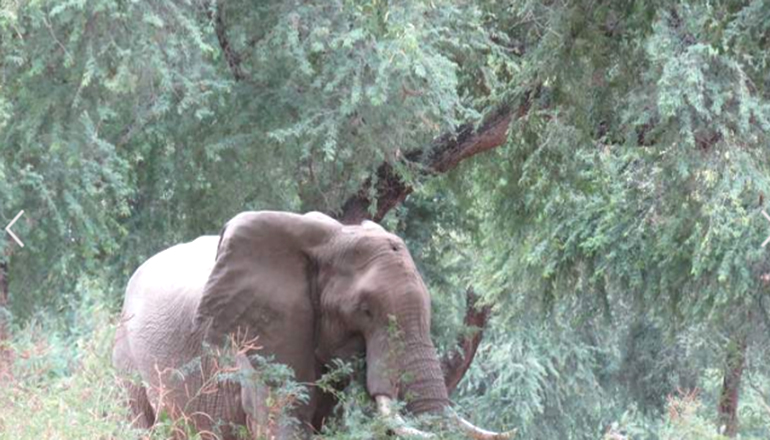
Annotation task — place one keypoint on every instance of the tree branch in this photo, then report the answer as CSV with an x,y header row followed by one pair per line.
x,y
443,155
232,57
456,363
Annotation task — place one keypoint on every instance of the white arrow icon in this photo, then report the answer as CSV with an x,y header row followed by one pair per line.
x,y
16,239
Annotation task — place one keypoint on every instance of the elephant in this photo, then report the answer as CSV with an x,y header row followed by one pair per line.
x,y
308,290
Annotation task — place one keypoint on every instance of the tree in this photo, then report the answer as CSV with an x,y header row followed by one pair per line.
x,y
639,175
586,164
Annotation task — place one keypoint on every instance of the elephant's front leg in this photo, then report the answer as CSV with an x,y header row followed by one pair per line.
x,y
254,399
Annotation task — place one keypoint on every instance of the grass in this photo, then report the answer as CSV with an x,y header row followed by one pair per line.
x,y
62,387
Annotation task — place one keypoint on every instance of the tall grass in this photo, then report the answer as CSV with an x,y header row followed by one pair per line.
x,y
59,382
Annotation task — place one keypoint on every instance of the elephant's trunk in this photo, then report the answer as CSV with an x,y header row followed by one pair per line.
x,y
422,384
402,361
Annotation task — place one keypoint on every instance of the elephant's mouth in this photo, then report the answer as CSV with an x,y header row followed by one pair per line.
x,y
385,408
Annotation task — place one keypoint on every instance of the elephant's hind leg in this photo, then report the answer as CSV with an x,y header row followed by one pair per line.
x,y
142,413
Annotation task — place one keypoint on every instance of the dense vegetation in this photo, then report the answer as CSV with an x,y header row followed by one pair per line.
x,y
614,229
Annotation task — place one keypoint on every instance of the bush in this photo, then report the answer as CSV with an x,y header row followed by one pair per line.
x,y
61,384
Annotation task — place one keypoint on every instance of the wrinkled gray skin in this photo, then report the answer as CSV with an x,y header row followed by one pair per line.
x,y
310,288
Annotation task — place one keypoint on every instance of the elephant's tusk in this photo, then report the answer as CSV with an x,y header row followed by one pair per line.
x,y
477,433
384,406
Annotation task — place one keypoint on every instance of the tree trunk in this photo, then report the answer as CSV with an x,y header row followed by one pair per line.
x,y
3,299
731,383
457,362
232,57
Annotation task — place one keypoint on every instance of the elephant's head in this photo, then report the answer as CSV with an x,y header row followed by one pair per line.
x,y
313,289
372,296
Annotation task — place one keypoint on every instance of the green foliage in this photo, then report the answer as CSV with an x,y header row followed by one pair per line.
x,y
132,134
661,205
633,186
556,381
286,393
80,81
646,366
338,373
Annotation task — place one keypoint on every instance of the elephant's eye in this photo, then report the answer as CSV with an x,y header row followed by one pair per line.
x,y
365,310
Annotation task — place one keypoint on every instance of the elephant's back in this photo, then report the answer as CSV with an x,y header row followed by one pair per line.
x,y
182,269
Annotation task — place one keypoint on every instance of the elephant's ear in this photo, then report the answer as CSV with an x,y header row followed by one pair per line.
x,y
262,274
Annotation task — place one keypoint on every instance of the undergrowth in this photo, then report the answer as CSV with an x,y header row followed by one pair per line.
x,y
60,383
57,382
